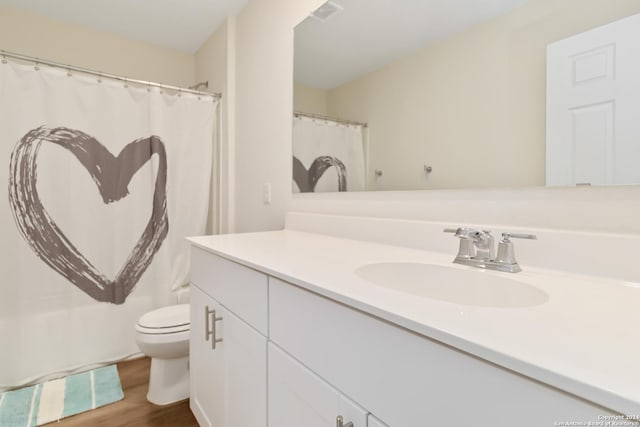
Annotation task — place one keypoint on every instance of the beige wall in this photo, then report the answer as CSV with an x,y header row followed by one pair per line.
x,y
264,55
471,106
34,35
264,108
214,64
257,74
260,72
310,100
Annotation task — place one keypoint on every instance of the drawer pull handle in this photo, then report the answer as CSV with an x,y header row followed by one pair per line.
x,y
214,340
210,327
340,422
207,328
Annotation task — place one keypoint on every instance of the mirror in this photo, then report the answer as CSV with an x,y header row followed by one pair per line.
x,y
445,94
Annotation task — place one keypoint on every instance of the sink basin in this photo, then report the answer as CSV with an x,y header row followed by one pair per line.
x,y
459,286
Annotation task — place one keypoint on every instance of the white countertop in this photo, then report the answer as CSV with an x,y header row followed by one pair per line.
x,y
584,340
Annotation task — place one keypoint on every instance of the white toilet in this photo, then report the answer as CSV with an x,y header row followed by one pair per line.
x,y
163,335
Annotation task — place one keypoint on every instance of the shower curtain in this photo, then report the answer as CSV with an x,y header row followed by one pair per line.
x,y
102,182
327,156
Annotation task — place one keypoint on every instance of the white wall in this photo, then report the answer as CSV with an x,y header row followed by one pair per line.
x,y
34,35
264,54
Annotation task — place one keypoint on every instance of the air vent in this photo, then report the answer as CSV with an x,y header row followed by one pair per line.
x,y
327,11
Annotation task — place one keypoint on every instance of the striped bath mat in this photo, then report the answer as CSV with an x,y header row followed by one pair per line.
x,y
56,399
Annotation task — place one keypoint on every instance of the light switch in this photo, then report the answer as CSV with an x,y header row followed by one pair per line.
x,y
266,193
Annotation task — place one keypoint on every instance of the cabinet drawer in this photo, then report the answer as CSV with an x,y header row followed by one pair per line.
x,y
239,289
404,378
298,397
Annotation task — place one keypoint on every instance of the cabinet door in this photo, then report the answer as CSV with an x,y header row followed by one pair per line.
x,y
245,351
206,364
374,422
298,397
228,379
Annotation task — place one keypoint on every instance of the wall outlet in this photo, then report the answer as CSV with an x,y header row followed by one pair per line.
x,y
266,193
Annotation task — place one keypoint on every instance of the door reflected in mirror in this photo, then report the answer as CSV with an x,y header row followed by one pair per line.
x,y
414,95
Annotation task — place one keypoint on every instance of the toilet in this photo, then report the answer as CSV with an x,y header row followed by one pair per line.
x,y
163,335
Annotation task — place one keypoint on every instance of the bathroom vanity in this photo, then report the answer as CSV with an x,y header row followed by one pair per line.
x,y
286,333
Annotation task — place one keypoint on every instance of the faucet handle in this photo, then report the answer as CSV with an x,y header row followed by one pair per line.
x,y
461,232
468,233
466,250
506,256
507,236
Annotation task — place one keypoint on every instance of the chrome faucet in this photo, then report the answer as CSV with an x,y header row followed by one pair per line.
x,y
477,249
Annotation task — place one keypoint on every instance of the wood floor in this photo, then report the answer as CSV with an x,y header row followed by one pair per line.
x,y
134,410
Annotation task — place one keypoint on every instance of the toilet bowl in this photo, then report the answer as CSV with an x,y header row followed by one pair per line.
x,y
163,335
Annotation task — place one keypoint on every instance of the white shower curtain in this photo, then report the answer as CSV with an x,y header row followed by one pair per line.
x,y
340,146
90,239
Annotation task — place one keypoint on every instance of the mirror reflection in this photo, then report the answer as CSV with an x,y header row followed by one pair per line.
x,y
442,94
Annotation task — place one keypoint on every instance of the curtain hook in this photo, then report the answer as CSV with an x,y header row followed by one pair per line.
x,y
4,59
69,71
100,78
179,92
148,86
37,66
126,83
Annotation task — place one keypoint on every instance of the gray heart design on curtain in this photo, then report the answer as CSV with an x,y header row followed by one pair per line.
x,y
306,180
112,176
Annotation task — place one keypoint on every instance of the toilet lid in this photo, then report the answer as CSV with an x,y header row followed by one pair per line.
x,y
174,318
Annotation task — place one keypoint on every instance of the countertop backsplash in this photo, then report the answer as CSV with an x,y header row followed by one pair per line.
x,y
589,253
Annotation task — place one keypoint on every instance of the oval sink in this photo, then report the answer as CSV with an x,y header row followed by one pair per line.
x,y
469,287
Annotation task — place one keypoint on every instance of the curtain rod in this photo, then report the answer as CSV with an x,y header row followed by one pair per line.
x,y
330,119
4,54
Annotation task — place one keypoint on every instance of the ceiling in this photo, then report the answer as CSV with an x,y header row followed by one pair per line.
x,y
183,25
367,34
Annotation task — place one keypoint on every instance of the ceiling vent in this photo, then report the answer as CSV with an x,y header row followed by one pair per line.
x,y
326,11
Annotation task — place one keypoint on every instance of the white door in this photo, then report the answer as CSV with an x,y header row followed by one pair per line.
x,y
206,363
298,397
593,106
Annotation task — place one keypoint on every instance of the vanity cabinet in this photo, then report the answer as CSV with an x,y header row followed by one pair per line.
x,y
407,379
298,397
227,354
317,359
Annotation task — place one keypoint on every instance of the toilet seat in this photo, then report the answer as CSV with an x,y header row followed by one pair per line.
x,y
166,320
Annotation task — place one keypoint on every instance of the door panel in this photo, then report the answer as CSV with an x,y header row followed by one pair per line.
x,y
593,99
